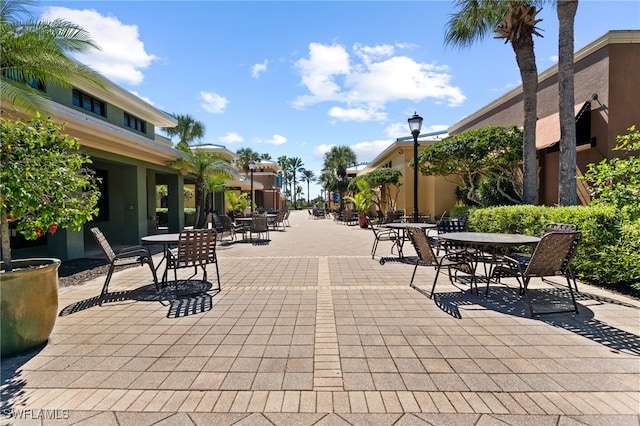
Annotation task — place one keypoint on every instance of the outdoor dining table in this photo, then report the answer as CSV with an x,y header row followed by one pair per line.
x,y
402,228
164,240
495,240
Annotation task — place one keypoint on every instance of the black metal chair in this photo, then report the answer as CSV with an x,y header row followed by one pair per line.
x,y
426,257
259,225
551,257
381,234
126,256
564,227
196,249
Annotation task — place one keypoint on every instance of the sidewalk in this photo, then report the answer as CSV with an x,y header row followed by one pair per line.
x,y
309,330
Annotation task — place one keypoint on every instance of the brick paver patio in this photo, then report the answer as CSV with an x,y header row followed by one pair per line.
x,y
309,330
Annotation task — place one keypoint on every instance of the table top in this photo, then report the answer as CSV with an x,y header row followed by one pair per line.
x,y
403,225
490,238
161,239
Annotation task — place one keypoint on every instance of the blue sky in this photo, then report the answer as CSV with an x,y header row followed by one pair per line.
x,y
296,77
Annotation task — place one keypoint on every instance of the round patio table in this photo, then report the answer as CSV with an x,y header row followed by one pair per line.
x,y
164,240
490,239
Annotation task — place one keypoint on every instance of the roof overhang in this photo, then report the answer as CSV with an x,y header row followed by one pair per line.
x,y
130,103
548,128
106,137
243,184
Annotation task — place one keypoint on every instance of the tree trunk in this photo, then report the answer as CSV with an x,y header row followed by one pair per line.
x,y
567,187
523,48
5,234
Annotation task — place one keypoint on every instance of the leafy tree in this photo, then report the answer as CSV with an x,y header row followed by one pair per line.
x,y
382,180
188,130
308,176
203,165
44,184
567,187
245,156
617,181
476,156
34,54
295,164
515,22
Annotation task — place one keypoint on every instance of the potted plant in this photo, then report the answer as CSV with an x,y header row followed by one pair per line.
x,y
44,186
237,204
362,201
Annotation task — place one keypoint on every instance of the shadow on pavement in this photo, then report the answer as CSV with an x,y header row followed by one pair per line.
x,y
188,297
507,301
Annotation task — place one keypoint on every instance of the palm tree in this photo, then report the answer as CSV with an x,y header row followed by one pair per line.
x,y
295,163
203,165
308,176
187,130
283,162
265,156
34,54
567,186
514,21
339,158
245,156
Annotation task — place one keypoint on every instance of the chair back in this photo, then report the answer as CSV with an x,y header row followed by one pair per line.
x,y
420,242
553,254
225,223
259,224
560,227
444,226
104,244
196,247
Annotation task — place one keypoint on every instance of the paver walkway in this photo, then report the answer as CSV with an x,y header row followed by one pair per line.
x,y
310,330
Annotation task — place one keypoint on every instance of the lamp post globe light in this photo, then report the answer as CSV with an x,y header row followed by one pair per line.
x,y
415,124
252,167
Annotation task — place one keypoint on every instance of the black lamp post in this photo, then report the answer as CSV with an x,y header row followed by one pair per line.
x,y
415,124
252,167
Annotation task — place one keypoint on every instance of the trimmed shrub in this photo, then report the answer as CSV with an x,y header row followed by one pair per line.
x,y
610,250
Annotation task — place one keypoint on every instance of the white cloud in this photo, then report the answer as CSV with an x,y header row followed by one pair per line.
x,y
356,114
320,150
122,56
365,81
553,59
213,102
231,137
367,151
276,140
319,70
258,69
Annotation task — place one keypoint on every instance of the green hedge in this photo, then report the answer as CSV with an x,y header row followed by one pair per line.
x,y
610,250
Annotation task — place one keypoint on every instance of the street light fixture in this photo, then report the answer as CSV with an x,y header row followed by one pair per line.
x,y
415,124
252,167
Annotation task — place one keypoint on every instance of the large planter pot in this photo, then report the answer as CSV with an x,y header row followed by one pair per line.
x,y
363,220
28,303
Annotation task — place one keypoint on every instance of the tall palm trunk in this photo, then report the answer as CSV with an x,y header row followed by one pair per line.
x,y
567,187
523,48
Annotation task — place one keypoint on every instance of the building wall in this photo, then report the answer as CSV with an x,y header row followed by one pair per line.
x,y
610,72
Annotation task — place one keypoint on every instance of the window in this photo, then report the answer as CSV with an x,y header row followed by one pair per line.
x,y
134,123
89,103
16,76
